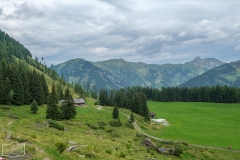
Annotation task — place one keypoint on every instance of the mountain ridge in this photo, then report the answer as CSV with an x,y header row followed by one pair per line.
x,y
226,74
117,73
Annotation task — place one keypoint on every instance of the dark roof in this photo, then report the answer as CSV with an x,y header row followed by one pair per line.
x,y
152,113
79,100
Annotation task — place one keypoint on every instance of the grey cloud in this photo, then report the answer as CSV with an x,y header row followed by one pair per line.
x,y
155,32
1,11
26,11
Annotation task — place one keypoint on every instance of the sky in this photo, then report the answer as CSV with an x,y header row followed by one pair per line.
x,y
149,31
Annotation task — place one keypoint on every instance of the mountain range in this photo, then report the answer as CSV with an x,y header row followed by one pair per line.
x,y
226,74
117,73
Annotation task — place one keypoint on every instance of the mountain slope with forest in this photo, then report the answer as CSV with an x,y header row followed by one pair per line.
x,y
117,73
227,74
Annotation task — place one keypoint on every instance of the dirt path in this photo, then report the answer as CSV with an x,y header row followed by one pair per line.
x,y
160,139
8,137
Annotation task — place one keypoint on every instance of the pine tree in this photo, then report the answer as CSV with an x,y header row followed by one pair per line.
x,y
67,109
45,88
34,107
131,118
1,85
52,105
18,97
115,113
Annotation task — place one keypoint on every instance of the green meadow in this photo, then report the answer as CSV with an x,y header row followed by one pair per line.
x,y
208,124
107,142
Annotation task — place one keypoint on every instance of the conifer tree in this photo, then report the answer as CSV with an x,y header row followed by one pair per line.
x,y
52,105
34,107
67,109
18,97
1,85
115,113
6,92
45,88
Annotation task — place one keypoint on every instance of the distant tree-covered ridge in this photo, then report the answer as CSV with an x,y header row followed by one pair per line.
x,y
215,94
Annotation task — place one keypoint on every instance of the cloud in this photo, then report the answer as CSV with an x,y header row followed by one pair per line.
x,y
1,11
26,11
156,32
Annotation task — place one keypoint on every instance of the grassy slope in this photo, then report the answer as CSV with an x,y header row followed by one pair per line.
x,y
200,123
100,144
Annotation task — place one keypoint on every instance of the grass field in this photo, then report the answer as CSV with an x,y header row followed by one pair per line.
x,y
105,143
209,124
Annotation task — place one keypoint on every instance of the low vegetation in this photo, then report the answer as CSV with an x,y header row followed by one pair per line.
x,y
43,141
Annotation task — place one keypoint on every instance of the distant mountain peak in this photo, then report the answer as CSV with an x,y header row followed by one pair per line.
x,y
206,63
197,58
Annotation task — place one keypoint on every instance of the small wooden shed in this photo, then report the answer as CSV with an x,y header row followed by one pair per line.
x,y
79,101
152,115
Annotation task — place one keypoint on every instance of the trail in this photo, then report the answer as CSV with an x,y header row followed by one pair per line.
x,y
160,139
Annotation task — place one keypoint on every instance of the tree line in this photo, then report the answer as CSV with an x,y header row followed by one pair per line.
x,y
214,94
125,98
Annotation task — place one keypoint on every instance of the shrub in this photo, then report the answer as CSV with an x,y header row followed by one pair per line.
x,y
109,130
97,103
56,125
5,107
61,146
13,116
102,125
91,126
178,151
129,125
185,143
18,139
115,123
108,151
121,155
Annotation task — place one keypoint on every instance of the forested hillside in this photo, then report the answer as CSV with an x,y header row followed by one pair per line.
x,y
118,73
23,79
227,74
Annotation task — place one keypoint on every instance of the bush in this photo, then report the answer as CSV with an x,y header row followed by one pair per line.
x,y
91,126
109,130
121,155
61,146
13,116
5,107
56,125
97,103
18,139
102,125
129,125
178,151
108,151
115,123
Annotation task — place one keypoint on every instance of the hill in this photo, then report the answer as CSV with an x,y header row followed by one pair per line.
x,y
17,70
226,74
90,134
117,73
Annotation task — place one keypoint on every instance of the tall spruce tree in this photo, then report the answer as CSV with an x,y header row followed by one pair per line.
x,y
67,109
52,111
115,112
18,97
